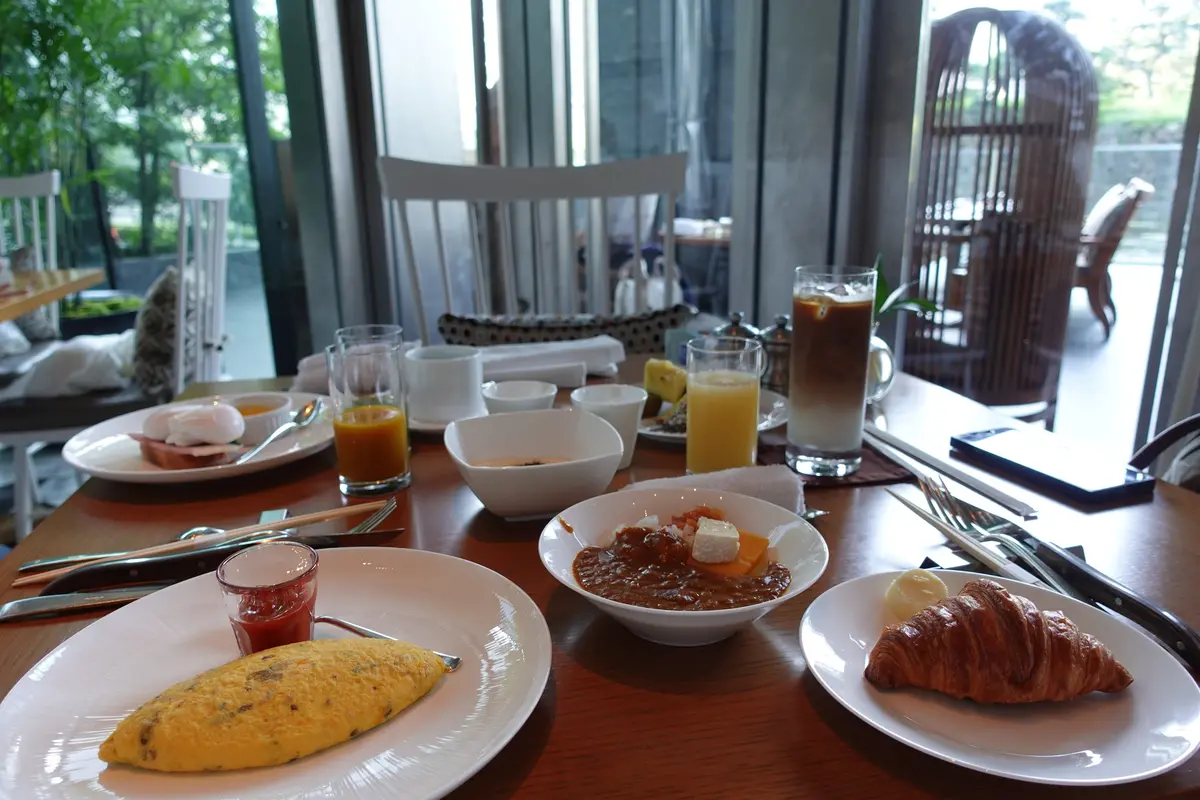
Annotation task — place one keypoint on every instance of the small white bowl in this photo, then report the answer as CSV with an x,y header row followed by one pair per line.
x,y
261,425
798,546
504,397
484,448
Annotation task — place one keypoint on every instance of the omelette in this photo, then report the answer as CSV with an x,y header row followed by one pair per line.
x,y
274,706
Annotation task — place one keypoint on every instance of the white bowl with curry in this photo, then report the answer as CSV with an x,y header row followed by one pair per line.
x,y
683,566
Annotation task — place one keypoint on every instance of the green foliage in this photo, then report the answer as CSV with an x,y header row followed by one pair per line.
x,y
888,301
145,82
86,309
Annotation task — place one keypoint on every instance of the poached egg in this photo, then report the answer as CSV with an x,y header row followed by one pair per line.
x,y
189,424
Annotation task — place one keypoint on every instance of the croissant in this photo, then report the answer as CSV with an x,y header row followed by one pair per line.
x,y
994,647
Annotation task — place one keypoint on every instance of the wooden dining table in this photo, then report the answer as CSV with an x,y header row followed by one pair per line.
x,y
32,290
621,717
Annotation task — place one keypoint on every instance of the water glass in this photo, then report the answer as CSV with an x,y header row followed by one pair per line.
x,y
370,422
722,402
270,594
368,334
832,321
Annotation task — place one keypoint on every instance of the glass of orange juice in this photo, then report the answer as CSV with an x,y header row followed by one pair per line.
x,y
370,423
722,402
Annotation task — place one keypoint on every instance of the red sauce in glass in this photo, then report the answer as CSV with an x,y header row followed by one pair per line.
x,y
275,616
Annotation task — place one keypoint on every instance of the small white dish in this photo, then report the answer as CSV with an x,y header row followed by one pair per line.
x,y
798,546
263,413
503,397
582,450
106,451
421,426
54,719
1151,727
772,412
621,405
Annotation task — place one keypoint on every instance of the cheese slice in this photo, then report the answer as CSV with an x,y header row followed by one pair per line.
x,y
716,542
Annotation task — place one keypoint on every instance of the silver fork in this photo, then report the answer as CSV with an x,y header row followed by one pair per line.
x,y
946,506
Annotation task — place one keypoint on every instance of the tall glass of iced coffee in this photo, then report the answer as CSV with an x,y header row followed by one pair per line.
x,y
832,310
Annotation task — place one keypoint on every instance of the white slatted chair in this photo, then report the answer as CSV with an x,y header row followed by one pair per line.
x,y
27,425
203,218
545,194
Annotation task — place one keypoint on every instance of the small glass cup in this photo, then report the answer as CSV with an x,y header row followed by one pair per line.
x,y
270,594
368,334
832,321
370,420
722,402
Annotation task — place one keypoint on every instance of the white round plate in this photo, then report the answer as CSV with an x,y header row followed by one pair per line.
x,y
54,719
1149,728
106,451
434,427
772,412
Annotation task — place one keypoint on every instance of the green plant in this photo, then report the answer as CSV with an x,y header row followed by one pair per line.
x,y
86,309
888,301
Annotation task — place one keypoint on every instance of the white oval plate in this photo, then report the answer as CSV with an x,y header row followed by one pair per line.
x,y
106,451
54,719
772,412
1149,728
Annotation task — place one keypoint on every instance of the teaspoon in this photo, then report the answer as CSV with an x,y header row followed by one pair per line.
x,y
452,662
304,417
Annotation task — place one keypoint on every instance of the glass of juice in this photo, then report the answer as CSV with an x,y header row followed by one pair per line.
x,y
370,423
722,402
270,593
368,334
832,314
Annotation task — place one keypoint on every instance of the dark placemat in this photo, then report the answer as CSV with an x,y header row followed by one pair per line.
x,y
875,469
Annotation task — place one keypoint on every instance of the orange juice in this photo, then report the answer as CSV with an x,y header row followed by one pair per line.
x,y
371,442
722,420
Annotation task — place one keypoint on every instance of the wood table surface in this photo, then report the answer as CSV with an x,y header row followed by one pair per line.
x,y
44,287
621,717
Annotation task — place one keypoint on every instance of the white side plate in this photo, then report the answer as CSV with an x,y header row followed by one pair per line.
x,y
106,451
54,719
1149,728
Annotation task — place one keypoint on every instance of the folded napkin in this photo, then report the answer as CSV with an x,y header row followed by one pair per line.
x,y
555,362
776,484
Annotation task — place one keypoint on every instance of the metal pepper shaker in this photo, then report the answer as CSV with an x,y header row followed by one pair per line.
x,y
736,328
777,346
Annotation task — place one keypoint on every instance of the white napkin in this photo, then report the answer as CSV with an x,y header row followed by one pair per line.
x,y
775,483
596,354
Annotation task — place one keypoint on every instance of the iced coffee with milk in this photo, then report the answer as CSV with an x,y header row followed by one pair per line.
x,y
832,316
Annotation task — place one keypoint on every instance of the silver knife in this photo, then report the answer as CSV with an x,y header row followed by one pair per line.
x,y
1101,590
46,605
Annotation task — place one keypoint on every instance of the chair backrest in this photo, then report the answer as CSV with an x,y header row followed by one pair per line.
x,y
39,191
203,216
543,189
1108,220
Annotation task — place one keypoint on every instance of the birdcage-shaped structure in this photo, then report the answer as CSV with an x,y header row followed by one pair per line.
x,y
1006,147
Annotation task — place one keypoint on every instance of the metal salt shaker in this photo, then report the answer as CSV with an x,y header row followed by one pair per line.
x,y
777,346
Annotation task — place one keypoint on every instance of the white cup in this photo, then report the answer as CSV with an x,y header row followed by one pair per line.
x,y
618,405
444,383
506,396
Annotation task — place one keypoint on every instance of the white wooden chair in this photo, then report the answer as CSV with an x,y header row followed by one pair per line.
x,y
39,193
203,218
545,194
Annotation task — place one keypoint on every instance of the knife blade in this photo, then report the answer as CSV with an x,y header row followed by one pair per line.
x,y
42,606
1107,593
174,567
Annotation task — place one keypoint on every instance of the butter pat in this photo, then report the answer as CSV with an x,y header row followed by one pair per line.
x,y
716,542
